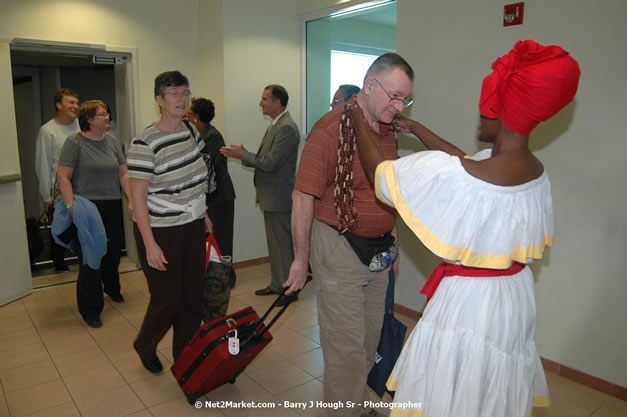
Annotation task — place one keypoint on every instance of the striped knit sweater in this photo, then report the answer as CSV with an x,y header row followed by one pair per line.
x,y
174,169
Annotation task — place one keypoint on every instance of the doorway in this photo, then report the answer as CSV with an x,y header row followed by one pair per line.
x,y
38,71
353,37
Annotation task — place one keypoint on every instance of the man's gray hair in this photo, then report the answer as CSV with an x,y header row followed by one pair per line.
x,y
388,62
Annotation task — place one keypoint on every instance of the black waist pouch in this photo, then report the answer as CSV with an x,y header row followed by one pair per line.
x,y
367,247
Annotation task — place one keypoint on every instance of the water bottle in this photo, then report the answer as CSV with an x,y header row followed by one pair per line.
x,y
382,260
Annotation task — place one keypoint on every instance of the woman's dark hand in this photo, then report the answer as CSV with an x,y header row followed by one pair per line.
x,y
402,124
357,118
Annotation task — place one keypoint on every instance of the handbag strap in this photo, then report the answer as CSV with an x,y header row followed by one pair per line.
x,y
56,188
211,241
389,296
200,143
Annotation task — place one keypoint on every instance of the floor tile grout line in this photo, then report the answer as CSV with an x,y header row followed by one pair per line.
x,y
50,358
148,412
4,397
101,350
111,361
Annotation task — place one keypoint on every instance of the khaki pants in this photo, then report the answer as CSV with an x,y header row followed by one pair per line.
x,y
351,304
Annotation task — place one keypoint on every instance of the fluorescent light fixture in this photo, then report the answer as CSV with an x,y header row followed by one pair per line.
x,y
361,7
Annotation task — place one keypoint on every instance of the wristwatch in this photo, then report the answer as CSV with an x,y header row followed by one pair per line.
x,y
69,206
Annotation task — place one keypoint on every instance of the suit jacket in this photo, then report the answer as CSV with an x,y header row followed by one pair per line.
x,y
275,165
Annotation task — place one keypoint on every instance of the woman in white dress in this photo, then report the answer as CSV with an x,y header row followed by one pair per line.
x,y
473,353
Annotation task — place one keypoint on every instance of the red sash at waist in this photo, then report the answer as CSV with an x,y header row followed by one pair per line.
x,y
446,269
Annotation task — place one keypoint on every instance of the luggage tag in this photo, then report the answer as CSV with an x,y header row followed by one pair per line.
x,y
233,343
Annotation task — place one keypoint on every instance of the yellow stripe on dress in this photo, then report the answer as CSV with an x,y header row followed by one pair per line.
x,y
385,171
397,412
392,384
541,401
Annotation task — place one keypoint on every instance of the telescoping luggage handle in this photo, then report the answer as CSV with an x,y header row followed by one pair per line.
x,y
277,315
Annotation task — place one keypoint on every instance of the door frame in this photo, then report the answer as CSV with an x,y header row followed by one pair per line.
x,y
14,251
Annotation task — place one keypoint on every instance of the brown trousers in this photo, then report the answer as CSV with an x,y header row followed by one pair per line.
x,y
174,293
351,303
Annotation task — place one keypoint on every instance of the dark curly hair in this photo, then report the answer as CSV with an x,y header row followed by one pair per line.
x,y
204,109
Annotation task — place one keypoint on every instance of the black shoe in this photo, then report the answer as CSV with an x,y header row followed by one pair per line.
x,y
95,323
61,267
286,299
266,291
153,365
118,298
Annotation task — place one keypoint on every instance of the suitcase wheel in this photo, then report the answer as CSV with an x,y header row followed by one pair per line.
x,y
232,381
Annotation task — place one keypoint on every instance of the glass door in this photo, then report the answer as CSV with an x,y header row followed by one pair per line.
x,y
341,47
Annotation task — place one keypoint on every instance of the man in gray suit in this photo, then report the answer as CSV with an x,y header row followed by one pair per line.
x,y
275,170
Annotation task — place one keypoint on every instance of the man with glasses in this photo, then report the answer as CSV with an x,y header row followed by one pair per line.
x,y
331,205
50,140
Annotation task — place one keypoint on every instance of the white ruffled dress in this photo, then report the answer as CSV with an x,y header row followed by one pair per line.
x,y
473,353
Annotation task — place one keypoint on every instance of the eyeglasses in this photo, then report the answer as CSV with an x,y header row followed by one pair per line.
x,y
103,114
179,93
406,102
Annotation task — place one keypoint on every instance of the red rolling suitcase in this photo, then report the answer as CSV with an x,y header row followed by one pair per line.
x,y
206,363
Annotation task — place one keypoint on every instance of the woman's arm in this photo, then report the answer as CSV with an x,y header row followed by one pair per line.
x,y
139,194
427,137
369,153
64,177
126,188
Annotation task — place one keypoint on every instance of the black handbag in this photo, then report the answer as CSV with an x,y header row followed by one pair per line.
x,y
390,344
33,234
212,180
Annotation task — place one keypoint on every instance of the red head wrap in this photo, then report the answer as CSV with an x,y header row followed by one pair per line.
x,y
529,85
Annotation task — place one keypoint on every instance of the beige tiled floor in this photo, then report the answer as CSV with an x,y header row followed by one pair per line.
x,y
51,364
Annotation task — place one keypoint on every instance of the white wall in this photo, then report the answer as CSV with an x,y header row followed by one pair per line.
x,y
261,47
211,54
581,284
15,280
165,34
451,45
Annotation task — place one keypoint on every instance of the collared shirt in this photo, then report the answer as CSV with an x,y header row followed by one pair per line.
x,y
276,119
316,176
